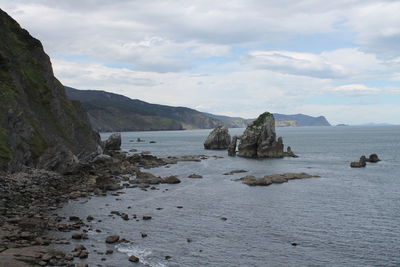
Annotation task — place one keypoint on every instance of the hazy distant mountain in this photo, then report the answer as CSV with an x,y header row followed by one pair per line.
x,y
303,120
113,112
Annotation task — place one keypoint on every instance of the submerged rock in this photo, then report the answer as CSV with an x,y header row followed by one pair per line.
x,y
259,139
219,138
112,239
273,179
195,176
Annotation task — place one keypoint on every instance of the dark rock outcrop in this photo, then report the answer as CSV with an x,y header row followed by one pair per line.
x,y
259,139
359,164
113,142
373,158
37,121
219,138
232,146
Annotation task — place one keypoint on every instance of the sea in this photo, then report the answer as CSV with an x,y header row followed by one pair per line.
x,y
347,217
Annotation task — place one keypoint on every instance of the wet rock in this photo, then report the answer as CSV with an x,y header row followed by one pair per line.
x,y
219,138
83,254
74,218
112,239
273,179
89,218
109,251
143,235
294,244
152,142
290,153
373,158
79,236
235,171
82,264
232,146
171,180
196,176
133,258
167,257
146,218
359,164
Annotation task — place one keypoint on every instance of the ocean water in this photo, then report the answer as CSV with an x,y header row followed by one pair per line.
x,y
347,217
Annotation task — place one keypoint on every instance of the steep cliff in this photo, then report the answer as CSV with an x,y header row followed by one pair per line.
x,y
37,121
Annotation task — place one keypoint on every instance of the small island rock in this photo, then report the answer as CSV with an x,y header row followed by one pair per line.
x,y
219,138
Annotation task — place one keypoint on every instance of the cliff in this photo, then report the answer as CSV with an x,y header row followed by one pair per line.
x,y
38,123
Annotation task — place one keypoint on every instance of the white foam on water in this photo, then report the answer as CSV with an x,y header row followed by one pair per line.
x,y
141,253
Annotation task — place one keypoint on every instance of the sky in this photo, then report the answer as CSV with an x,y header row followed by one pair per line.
x,y
339,59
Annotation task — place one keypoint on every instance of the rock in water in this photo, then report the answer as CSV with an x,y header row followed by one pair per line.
x,y
259,139
219,138
373,158
113,142
232,146
36,116
359,164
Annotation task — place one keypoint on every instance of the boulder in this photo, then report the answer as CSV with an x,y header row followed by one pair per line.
x,y
219,138
112,239
373,158
232,146
171,180
290,153
195,176
359,164
273,179
259,139
113,142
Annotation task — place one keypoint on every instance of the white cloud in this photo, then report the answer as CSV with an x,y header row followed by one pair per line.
x,y
355,90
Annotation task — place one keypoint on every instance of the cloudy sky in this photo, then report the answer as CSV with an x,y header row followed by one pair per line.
x,y
337,58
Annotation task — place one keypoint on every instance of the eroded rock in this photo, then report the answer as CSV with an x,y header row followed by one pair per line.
x,y
219,138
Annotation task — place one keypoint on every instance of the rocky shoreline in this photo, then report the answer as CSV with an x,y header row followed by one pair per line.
x,y
30,198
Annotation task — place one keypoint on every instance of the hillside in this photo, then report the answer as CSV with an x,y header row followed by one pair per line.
x,y
37,121
113,112
303,120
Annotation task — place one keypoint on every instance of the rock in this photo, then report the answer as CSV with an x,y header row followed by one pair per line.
x,y
112,239
74,218
171,180
79,236
289,153
294,244
219,138
259,139
84,254
113,142
143,235
195,176
168,257
133,258
146,218
89,218
373,158
359,164
235,171
152,142
273,179
82,264
109,251
232,146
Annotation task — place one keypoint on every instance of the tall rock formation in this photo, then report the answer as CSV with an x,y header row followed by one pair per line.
x,y
37,121
259,139
219,138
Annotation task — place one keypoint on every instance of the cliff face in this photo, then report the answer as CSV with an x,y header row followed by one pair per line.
x,y
37,121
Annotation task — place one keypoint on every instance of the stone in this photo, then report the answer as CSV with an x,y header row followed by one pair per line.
x,y
373,158
146,218
195,176
171,180
232,146
259,139
235,171
359,164
290,153
273,179
82,264
133,258
112,239
113,142
79,236
219,138
84,254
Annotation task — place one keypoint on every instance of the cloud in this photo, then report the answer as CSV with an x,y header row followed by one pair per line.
x,y
355,90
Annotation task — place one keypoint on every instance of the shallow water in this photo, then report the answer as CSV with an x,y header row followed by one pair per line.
x,y
348,217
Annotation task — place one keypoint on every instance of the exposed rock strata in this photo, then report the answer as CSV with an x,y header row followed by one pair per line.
x,y
219,138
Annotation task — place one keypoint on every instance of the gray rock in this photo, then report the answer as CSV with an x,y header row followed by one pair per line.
x,y
232,146
113,142
359,164
219,138
112,239
195,176
273,179
171,180
133,259
259,139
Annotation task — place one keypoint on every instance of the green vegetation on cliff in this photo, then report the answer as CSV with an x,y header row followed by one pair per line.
x,y
35,113
261,119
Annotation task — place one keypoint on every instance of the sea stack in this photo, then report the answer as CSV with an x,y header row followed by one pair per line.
x,y
219,138
259,139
